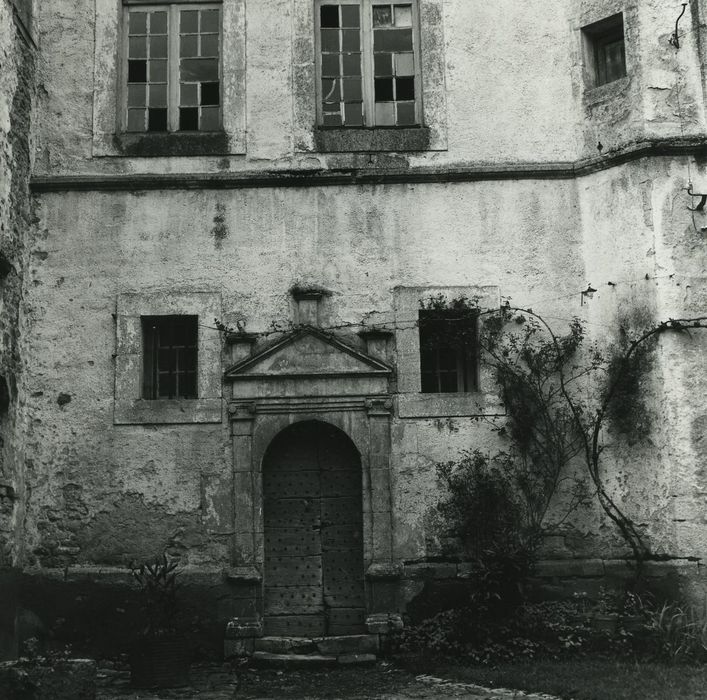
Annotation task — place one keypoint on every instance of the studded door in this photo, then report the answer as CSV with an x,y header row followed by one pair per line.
x,y
313,533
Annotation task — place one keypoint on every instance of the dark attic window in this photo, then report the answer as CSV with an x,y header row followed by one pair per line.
x,y
607,49
170,361
448,350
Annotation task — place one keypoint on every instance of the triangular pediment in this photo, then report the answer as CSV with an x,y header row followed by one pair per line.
x,y
307,353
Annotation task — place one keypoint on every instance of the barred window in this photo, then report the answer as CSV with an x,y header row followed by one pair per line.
x,y
170,357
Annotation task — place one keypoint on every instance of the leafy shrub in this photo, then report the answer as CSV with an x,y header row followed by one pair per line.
x,y
680,630
158,584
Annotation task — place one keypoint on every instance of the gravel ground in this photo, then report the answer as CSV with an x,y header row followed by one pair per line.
x,y
383,681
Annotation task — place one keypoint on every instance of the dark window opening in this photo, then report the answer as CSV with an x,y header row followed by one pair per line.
x,y
448,350
607,49
170,360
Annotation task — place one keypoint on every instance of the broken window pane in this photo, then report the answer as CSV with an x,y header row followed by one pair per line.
x,y
384,89
156,119
137,71
210,94
329,16
382,16
189,119
330,91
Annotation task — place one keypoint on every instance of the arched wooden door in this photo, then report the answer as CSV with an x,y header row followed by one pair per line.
x,y
313,576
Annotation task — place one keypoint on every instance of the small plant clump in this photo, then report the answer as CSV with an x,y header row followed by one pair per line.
x,y
158,583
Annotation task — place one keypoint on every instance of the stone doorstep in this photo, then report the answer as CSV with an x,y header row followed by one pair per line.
x,y
287,661
327,646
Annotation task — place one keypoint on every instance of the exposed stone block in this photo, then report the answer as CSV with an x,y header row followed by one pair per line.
x,y
570,567
353,644
384,623
353,659
240,628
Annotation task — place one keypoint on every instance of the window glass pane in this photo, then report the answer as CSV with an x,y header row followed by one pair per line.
x,y
209,45
353,114
199,69
156,119
136,120
330,91
330,40
404,64
332,119
392,40
166,386
158,23
158,95
189,119
351,40
429,383
189,21
137,71
382,16
187,388
209,21
350,16
138,23
403,15
189,46
136,95
406,113
137,47
158,47
188,94
383,64
351,88
329,16
210,119
384,89
158,71
330,64
405,88
352,64
385,113
448,382
210,94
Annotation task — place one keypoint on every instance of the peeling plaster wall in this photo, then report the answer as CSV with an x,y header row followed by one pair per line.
x,y
16,94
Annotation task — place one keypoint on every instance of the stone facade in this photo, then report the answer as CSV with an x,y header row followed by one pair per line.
x,y
524,182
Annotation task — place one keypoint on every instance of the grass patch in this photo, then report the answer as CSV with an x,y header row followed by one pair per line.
x,y
581,679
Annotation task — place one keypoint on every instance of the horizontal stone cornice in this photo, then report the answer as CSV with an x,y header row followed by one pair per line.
x,y
370,176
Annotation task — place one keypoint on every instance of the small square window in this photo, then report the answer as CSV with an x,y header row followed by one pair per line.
x,y
376,40
151,62
170,362
448,350
606,50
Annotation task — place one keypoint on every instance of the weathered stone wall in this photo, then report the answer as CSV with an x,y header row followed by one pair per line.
x,y
104,494
16,96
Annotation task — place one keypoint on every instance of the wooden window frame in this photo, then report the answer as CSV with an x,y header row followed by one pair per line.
x,y
598,36
172,8
367,68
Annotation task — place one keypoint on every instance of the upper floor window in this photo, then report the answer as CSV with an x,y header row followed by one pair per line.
x,y
172,67
607,50
448,350
169,357
368,63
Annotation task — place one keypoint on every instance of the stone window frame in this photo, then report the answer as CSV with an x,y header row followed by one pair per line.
x,y
129,406
411,401
108,137
310,138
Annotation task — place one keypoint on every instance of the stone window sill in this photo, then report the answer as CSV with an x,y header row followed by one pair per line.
x,y
609,91
211,143
390,139
165,411
449,405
